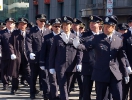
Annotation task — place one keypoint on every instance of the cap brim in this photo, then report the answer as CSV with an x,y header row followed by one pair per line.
x,y
22,22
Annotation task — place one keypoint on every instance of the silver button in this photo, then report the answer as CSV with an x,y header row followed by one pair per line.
x,y
131,44
110,61
110,55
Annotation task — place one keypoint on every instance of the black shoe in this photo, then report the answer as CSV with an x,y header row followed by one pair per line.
x,y
23,83
32,96
5,87
13,92
72,89
37,92
46,96
57,98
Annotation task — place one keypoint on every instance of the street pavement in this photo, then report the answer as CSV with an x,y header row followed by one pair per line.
x,y
23,93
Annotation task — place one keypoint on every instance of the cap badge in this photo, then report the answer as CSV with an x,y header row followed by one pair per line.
x,y
91,17
106,19
75,19
65,18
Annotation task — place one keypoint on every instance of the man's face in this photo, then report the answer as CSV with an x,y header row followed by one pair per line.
x,y
66,27
10,24
130,24
48,26
40,23
108,29
22,26
75,27
56,28
94,25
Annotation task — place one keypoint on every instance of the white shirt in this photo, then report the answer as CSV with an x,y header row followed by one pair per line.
x,y
9,31
41,29
130,29
54,34
95,33
23,33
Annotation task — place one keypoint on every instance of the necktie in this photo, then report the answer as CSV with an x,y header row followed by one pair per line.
x,y
109,39
41,31
23,34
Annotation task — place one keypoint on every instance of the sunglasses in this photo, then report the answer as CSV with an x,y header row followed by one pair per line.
x,y
57,26
41,20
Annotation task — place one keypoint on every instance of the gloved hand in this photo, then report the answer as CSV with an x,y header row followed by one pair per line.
x,y
79,68
0,55
42,67
32,56
76,42
52,71
129,70
64,37
127,79
13,57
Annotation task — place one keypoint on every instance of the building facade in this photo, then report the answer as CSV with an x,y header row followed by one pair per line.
x,y
15,9
78,8
57,8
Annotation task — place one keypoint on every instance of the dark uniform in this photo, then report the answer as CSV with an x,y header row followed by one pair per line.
x,y
34,44
127,37
5,36
64,58
17,46
44,61
88,62
77,75
110,63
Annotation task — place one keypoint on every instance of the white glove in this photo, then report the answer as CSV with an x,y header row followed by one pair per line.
x,y
64,37
0,55
13,57
76,42
32,56
52,71
42,67
79,68
127,79
129,70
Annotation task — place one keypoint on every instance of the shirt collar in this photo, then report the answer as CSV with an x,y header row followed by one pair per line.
x,y
95,33
54,34
9,30
40,28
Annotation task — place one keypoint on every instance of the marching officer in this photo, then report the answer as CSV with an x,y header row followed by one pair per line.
x,y
48,25
123,28
19,60
110,60
44,58
64,58
77,75
34,44
89,57
127,37
2,25
5,63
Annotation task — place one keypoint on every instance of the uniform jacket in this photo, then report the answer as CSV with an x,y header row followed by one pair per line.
x,y
110,57
45,51
17,46
64,57
4,44
127,38
88,59
34,42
